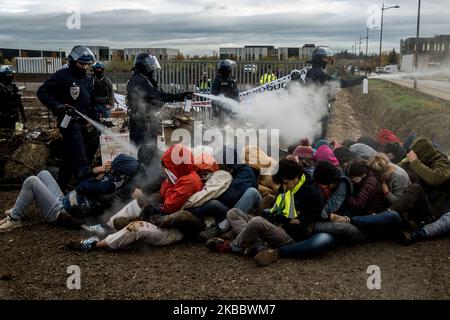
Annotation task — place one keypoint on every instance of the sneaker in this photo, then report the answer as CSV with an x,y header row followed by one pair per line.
x,y
83,245
266,257
97,229
67,221
218,245
209,233
9,223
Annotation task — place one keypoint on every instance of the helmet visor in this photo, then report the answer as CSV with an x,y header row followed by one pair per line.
x,y
151,63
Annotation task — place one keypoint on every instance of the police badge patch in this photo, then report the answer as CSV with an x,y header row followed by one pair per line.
x,y
74,91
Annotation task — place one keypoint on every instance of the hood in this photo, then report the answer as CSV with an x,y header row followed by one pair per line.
x,y
125,165
424,150
324,153
362,151
179,160
205,162
303,152
385,135
256,158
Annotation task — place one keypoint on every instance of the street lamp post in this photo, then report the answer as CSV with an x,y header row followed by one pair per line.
x,y
381,32
416,58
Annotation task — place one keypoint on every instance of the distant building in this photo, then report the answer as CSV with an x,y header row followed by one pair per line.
x,y
162,54
432,51
255,53
100,53
26,53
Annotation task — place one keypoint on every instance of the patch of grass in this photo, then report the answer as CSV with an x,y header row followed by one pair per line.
x,y
392,106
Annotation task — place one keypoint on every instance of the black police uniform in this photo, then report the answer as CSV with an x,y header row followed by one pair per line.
x,y
67,87
102,93
144,100
10,106
228,87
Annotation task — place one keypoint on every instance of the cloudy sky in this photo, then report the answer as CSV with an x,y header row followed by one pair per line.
x,y
202,26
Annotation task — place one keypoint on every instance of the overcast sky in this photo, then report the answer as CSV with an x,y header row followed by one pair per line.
x,y
202,26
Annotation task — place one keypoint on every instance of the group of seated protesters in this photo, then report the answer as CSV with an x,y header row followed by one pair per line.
x,y
305,204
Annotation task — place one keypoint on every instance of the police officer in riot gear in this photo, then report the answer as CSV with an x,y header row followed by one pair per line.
x,y
317,75
224,84
11,111
67,90
10,99
145,99
102,91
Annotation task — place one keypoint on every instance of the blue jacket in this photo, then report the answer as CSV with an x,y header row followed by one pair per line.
x,y
244,177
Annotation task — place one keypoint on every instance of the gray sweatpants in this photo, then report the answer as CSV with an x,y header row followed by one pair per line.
x,y
254,232
439,227
42,188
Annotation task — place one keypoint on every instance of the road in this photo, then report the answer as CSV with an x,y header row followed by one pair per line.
x,y
436,88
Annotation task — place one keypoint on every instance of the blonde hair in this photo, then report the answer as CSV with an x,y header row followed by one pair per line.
x,y
382,166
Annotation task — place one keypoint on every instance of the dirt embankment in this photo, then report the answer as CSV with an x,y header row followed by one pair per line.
x,y
401,109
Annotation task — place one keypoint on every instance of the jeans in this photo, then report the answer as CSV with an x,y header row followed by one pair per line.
x,y
341,231
213,208
439,227
316,244
386,220
102,111
254,232
216,209
42,188
250,199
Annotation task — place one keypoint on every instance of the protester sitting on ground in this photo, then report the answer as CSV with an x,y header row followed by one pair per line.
x,y
367,197
64,210
429,199
363,151
296,210
394,151
394,179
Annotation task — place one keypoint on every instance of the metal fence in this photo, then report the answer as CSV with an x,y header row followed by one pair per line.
x,y
38,65
176,76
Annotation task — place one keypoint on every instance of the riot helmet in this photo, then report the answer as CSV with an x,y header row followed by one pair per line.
x,y
320,57
7,74
98,68
225,67
146,64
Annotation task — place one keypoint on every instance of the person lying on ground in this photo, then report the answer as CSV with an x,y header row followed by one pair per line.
x,y
140,231
64,210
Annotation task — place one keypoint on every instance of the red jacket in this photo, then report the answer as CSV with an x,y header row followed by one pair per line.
x,y
174,195
368,197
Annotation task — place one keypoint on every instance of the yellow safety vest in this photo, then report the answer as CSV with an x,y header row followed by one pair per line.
x,y
285,204
267,77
